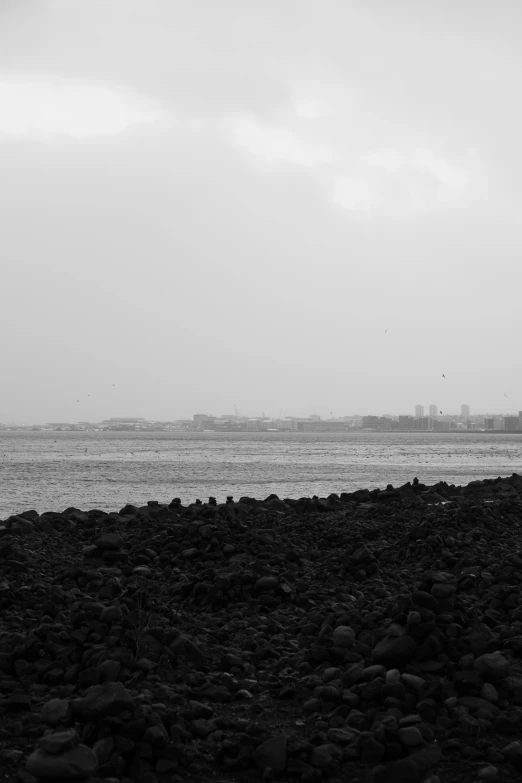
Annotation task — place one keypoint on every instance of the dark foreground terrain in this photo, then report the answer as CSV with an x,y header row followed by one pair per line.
x,y
371,636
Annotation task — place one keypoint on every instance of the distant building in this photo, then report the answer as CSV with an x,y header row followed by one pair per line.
x,y
377,423
257,424
511,423
406,422
419,411
203,421
124,424
423,423
434,411
489,423
289,424
324,426
465,411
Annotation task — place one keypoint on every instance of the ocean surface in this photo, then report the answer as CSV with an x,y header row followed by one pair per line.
x,y
49,471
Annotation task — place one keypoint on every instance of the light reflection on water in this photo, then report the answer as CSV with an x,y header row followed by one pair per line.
x,y
53,470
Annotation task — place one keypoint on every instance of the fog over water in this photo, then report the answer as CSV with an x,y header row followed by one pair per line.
x,y
55,470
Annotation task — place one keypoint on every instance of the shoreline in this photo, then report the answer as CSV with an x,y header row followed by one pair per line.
x,y
440,492
266,640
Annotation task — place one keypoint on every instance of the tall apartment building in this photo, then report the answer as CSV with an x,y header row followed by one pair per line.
x,y
434,411
419,411
465,411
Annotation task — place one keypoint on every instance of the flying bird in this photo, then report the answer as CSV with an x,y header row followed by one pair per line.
x,y
505,395
385,331
443,375
440,413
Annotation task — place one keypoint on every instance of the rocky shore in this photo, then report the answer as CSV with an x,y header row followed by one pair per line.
x,y
367,636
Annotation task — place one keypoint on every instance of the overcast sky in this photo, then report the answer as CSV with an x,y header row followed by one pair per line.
x,y
206,204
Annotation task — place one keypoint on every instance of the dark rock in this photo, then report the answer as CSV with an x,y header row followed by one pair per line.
x,y
75,764
394,650
109,541
101,700
272,753
410,770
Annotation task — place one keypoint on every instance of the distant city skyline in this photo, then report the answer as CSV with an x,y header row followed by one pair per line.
x,y
418,413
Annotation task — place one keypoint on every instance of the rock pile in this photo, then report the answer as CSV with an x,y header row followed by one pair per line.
x,y
367,636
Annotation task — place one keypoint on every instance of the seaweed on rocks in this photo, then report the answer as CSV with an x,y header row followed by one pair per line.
x,y
367,635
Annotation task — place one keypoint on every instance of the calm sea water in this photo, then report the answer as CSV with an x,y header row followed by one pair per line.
x,y
49,471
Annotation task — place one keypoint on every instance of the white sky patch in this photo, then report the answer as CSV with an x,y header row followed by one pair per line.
x,y
352,193
312,108
279,145
390,160
448,175
384,180
32,106
450,181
